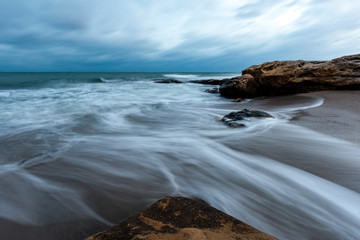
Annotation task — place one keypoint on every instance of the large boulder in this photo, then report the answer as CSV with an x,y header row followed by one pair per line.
x,y
181,218
287,77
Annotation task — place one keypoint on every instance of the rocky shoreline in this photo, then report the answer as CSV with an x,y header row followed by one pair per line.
x,y
181,218
288,77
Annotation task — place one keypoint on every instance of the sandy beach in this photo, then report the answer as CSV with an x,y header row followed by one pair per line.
x,y
331,117
334,113
338,116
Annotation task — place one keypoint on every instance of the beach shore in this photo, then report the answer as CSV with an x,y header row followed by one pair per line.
x,y
317,123
334,113
310,149
338,116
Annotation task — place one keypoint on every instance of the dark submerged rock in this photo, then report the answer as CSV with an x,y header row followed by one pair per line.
x,y
181,218
213,90
168,81
208,81
234,119
288,77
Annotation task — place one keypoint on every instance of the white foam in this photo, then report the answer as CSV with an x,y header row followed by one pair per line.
x,y
4,93
110,80
182,76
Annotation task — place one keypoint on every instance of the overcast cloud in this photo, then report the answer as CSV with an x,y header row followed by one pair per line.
x,y
174,35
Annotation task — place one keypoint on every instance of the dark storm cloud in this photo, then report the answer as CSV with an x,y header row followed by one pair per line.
x,y
137,35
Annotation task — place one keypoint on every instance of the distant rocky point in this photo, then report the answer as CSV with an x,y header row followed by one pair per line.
x,y
180,218
288,77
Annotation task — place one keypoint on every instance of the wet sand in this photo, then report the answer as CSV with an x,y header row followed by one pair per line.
x,y
322,133
338,116
57,231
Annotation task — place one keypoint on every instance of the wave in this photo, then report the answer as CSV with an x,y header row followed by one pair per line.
x,y
52,80
5,94
42,83
182,76
200,76
104,80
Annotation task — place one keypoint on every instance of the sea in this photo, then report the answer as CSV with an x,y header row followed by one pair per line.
x,y
80,152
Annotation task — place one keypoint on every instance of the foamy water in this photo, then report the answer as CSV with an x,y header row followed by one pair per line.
x,y
97,148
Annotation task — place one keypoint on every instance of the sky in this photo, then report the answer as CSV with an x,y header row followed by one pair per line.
x,y
172,35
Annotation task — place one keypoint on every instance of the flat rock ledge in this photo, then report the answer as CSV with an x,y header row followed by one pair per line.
x,y
289,77
181,218
235,119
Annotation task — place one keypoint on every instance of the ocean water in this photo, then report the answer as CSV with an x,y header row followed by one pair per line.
x,y
82,151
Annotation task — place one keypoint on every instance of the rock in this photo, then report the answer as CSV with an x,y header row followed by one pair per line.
x,y
168,81
208,81
244,86
181,218
213,90
288,77
238,100
234,119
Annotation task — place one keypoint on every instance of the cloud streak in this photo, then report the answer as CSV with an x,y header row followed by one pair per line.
x,y
139,35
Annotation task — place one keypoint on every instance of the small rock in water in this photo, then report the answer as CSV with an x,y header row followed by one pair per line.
x,y
232,119
238,100
168,81
213,90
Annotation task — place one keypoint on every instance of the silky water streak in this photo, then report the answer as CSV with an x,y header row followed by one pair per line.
x,y
82,151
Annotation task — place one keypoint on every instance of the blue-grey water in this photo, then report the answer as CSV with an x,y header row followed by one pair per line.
x,y
82,151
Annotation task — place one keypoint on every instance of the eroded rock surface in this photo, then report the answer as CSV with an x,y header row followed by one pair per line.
x,y
181,218
244,86
235,119
288,77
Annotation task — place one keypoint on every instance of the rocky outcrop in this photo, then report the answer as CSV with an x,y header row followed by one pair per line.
x,y
244,86
181,218
235,119
168,81
288,77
